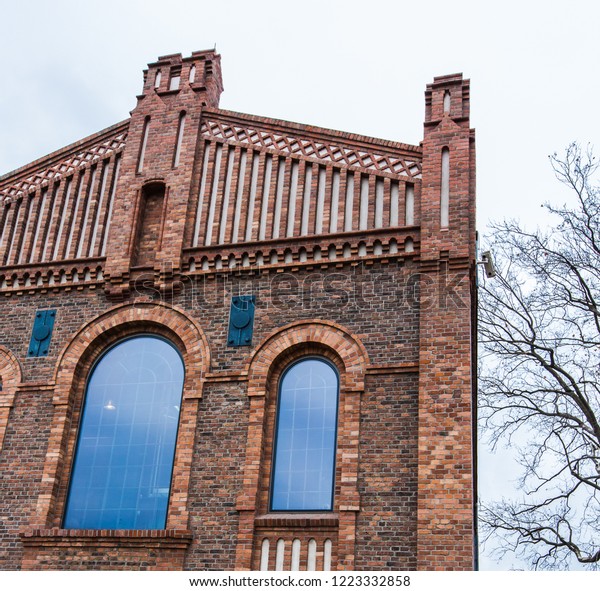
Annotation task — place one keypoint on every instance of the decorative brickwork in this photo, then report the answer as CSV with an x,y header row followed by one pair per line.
x,y
64,163
270,190
356,250
310,148
153,139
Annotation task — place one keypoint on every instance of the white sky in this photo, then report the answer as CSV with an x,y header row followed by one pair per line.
x,y
70,68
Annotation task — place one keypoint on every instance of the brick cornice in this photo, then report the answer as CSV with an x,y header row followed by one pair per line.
x,y
227,376
36,387
393,369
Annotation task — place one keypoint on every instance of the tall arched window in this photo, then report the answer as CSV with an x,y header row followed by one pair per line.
x,y
304,458
123,464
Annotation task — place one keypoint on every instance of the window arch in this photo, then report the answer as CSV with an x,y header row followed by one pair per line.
x,y
330,342
10,378
303,471
123,464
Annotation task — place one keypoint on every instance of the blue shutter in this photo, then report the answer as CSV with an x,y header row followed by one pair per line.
x,y
241,321
41,334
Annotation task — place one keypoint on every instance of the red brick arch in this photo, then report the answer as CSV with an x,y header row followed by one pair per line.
x,y
148,317
307,336
72,369
273,355
10,378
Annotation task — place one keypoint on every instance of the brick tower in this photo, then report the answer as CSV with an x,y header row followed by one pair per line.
x,y
446,332
156,175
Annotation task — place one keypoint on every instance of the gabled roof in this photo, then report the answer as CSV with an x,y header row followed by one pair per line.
x,y
294,139
64,162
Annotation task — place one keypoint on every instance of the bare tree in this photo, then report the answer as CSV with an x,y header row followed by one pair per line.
x,y
539,326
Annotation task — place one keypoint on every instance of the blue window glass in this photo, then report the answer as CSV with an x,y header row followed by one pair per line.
x,y
121,476
304,458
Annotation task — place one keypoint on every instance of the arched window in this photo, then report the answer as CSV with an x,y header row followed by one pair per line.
x,y
123,464
304,458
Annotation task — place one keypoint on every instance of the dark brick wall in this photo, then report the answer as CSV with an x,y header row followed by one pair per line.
x,y
386,533
215,483
370,301
21,467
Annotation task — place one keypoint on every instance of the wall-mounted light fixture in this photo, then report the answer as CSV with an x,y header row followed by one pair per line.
x,y
488,264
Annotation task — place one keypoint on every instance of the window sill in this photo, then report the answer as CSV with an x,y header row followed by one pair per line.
x,y
303,520
154,538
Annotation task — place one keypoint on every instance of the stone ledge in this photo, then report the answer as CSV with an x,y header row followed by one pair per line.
x,y
85,538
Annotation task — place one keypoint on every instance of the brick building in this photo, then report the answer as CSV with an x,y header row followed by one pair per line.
x,y
232,342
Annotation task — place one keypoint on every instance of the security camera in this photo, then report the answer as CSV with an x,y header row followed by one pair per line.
x,y
488,264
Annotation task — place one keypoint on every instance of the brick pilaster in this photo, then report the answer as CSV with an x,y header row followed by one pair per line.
x,y
445,466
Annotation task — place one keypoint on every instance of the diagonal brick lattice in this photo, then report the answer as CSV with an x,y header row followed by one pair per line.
x,y
310,148
64,167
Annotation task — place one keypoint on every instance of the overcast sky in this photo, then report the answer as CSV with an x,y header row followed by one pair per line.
x,y
69,69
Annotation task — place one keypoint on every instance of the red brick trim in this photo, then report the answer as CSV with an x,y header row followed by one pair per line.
x,y
72,369
10,378
393,369
122,320
270,358
326,335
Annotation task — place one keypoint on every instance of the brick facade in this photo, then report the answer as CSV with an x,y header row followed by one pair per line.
x,y
359,251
